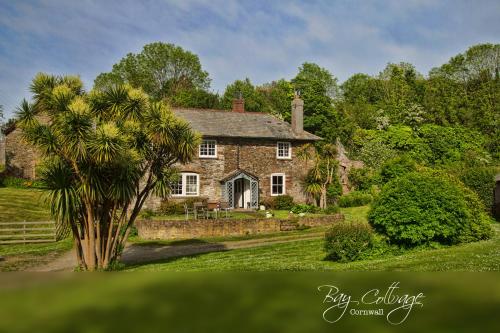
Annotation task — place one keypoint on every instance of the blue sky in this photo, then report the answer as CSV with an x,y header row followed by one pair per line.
x,y
262,40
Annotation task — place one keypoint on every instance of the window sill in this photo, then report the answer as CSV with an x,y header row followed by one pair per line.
x,y
207,157
283,158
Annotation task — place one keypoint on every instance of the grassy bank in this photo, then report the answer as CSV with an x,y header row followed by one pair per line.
x,y
22,205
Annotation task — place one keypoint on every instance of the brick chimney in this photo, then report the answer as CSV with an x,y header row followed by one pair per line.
x,y
239,104
297,114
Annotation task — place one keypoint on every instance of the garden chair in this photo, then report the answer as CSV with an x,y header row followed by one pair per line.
x,y
199,208
188,210
224,206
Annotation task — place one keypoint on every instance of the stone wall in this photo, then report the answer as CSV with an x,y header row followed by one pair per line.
x,y
186,229
255,156
20,158
2,150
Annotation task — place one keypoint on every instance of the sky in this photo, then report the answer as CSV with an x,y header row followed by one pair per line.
x,y
261,40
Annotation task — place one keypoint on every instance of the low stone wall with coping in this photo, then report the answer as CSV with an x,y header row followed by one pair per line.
x,y
186,229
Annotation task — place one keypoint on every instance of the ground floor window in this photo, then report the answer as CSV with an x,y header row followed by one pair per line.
x,y
187,185
277,184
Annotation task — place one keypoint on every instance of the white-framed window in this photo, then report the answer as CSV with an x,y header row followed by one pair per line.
x,y
208,149
278,184
188,185
284,150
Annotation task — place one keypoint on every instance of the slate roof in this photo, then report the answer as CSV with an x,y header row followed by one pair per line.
x,y
221,123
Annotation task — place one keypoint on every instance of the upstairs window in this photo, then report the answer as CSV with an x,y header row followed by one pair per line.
x,y
188,185
284,151
208,149
277,184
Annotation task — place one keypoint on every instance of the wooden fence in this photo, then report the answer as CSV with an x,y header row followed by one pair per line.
x,y
31,232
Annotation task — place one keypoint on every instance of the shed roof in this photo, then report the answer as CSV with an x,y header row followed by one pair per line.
x,y
221,123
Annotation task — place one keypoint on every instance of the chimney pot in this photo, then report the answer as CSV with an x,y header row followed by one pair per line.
x,y
297,114
239,105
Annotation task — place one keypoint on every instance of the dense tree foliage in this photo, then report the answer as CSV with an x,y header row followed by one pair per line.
x,y
165,72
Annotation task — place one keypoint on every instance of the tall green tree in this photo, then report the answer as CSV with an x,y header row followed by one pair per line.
x,y
162,70
254,101
318,88
278,96
105,152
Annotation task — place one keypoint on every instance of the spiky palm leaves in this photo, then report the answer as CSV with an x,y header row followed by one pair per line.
x,y
106,152
322,173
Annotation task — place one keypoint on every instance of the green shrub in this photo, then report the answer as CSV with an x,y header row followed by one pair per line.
x,y
333,191
355,199
175,207
15,182
361,178
397,167
481,180
283,202
147,213
420,208
331,209
346,242
304,208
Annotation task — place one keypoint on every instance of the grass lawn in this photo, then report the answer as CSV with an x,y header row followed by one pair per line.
x,y
22,205
309,254
26,205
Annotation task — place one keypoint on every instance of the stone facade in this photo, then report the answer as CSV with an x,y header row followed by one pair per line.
x,y
21,159
254,156
345,165
165,229
2,150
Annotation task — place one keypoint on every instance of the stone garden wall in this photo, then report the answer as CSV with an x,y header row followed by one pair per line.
x,y
186,229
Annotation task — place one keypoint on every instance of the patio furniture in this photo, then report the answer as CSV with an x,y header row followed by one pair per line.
x,y
199,208
213,207
188,210
224,206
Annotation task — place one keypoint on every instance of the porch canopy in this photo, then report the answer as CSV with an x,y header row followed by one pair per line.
x,y
241,189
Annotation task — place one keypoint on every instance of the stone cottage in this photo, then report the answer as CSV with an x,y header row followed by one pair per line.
x,y
244,156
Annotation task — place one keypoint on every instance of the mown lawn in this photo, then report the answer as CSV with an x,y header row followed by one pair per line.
x,y
22,205
309,255
26,205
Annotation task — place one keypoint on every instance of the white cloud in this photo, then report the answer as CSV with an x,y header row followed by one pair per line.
x,y
236,39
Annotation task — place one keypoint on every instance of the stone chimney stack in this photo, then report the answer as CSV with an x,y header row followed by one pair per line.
x,y
239,104
297,113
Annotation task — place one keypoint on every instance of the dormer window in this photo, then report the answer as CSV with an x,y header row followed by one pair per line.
x,y
284,151
208,149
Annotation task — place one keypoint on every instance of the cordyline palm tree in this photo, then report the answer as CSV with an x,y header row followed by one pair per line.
x,y
104,153
322,173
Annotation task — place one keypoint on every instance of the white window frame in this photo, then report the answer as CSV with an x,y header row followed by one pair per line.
x,y
284,184
289,144
183,177
207,156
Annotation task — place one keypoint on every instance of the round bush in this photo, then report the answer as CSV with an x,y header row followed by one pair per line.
x,y
283,202
355,199
346,242
419,208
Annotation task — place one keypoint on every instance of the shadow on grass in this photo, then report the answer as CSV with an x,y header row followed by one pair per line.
x,y
137,255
